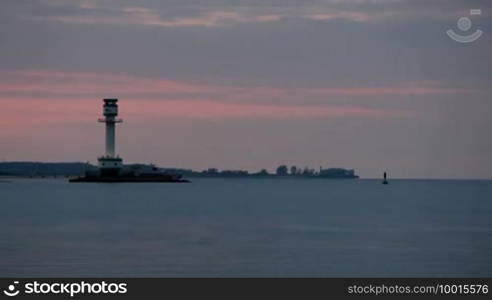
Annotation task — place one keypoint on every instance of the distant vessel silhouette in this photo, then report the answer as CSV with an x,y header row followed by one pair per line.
x,y
385,178
111,167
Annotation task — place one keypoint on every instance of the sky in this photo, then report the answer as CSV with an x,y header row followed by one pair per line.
x,y
370,85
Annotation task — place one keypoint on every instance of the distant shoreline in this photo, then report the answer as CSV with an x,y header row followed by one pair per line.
x,y
71,169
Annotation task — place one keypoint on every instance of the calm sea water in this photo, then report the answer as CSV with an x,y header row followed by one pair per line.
x,y
246,227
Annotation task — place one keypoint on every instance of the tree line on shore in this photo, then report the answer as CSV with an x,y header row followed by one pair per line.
x,y
41,169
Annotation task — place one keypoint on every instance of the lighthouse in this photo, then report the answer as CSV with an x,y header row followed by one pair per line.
x,y
110,164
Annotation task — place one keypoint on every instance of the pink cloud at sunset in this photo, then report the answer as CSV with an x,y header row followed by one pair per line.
x,y
57,84
42,97
23,114
80,83
90,13
405,88
135,15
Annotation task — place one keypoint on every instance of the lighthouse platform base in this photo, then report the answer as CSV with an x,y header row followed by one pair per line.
x,y
129,179
128,175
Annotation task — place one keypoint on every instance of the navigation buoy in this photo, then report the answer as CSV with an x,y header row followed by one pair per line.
x,y
385,178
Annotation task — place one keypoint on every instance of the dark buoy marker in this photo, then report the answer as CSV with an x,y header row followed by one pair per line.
x,y
385,178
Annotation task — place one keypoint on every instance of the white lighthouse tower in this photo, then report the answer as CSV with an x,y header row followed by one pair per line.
x,y
110,164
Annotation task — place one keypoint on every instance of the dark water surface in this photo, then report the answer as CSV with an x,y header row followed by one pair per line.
x,y
246,227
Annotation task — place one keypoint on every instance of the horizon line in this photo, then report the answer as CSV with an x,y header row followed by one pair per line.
x,y
273,173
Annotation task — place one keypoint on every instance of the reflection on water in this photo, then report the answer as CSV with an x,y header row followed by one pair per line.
x,y
246,227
